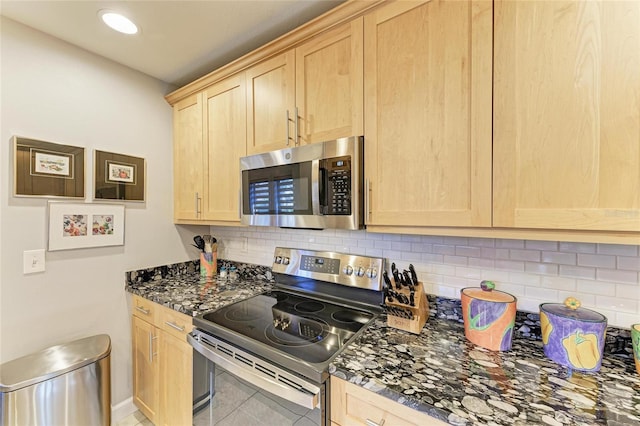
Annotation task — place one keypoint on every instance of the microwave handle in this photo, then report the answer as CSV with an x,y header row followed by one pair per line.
x,y
316,184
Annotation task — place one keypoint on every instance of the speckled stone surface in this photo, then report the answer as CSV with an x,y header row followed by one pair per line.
x,y
438,372
180,287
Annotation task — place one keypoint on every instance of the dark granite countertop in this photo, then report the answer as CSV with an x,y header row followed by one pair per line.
x,y
441,373
438,371
181,288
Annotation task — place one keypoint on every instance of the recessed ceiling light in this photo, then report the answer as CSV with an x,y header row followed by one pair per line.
x,y
118,22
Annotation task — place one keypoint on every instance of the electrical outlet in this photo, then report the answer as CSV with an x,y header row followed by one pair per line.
x,y
33,261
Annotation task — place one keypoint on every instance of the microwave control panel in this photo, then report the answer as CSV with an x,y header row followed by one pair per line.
x,y
338,181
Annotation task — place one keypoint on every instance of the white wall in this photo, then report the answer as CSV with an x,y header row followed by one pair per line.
x,y
55,92
604,277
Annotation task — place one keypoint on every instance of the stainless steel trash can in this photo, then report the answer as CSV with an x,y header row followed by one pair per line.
x,y
64,385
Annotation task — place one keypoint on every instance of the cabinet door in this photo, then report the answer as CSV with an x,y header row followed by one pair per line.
x,y
225,129
176,378
329,84
145,368
428,113
353,405
270,95
567,115
188,158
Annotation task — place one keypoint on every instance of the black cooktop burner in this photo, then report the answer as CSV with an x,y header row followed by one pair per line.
x,y
242,314
309,329
308,306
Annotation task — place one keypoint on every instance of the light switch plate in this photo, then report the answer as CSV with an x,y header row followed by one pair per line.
x,y
33,261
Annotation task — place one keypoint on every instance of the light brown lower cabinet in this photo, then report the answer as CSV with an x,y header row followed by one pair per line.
x,y
354,405
162,363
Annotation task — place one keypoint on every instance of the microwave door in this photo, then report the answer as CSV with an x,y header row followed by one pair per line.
x,y
275,196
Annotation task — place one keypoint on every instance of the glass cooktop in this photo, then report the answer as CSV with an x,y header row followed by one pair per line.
x,y
309,329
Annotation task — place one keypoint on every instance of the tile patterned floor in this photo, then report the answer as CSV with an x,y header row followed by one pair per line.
x,y
238,403
135,419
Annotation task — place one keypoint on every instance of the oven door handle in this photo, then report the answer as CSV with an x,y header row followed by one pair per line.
x,y
308,398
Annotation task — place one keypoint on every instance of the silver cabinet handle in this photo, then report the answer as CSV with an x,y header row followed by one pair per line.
x,y
367,200
372,423
143,310
296,136
173,325
288,135
151,354
197,204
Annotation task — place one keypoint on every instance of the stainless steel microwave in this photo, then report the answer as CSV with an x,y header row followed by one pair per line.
x,y
312,186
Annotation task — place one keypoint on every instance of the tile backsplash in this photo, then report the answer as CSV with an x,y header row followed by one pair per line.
x,y
605,277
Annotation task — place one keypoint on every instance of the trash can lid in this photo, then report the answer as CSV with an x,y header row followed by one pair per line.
x,y
52,362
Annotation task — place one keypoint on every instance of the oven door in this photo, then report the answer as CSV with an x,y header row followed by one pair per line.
x,y
298,397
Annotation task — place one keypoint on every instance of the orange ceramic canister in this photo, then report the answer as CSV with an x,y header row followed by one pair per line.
x,y
573,336
489,316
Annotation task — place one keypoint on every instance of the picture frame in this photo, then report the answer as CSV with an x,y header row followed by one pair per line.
x,y
85,225
47,169
119,177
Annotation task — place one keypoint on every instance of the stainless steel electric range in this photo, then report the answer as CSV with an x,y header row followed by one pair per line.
x,y
283,340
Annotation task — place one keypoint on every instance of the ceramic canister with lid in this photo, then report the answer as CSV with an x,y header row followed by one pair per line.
x,y
489,316
573,336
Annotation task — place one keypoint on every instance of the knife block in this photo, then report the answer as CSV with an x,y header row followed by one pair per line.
x,y
420,311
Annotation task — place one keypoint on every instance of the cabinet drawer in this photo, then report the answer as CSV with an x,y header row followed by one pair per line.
x,y
144,309
353,405
174,322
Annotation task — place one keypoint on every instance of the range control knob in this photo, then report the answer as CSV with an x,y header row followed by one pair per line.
x,y
285,260
360,271
347,270
371,273
278,259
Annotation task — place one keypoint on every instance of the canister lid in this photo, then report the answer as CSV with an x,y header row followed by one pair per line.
x,y
486,292
571,309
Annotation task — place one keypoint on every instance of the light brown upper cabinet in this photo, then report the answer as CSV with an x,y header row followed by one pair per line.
x,y
209,139
225,134
189,155
271,103
427,68
329,84
567,115
308,94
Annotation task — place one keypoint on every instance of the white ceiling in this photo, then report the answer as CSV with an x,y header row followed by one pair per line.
x,y
179,40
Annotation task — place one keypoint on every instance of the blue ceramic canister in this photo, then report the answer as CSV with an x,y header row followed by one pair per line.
x,y
573,336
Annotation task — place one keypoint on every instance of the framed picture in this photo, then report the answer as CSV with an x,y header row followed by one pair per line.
x,y
46,169
118,177
84,225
